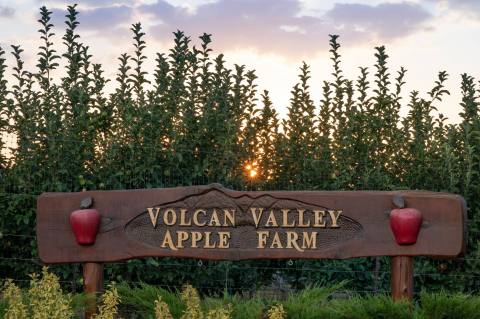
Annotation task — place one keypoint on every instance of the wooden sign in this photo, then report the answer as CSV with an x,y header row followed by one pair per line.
x,y
211,222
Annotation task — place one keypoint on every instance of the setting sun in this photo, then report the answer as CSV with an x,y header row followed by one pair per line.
x,y
251,169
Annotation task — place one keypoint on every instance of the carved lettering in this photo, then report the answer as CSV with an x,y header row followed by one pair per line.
x,y
292,238
296,220
276,242
208,244
309,240
301,223
271,221
214,221
334,215
168,241
224,239
183,221
262,238
169,217
285,219
181,237
195,217
153,215
256,215
319,222
196,238
230,216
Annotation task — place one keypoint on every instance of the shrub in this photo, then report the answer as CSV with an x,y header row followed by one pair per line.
x,y
192,301
161,309
109,306
220,313
276,312
16,308
44,299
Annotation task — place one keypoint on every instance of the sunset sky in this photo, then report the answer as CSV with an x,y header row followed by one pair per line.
x,y
275,36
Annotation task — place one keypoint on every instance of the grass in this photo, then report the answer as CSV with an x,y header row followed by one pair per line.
x,y
242,308
308,303
333,302
312,303
368,307
452,306
141,299
3,307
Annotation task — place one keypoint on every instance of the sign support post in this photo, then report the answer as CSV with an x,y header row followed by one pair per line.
x,y
93,285
402,278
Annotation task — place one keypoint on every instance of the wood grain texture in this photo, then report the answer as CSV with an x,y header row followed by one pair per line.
x,y
402,278
92,284
364,230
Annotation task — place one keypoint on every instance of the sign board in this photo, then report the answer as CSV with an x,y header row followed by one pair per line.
x,y
211,222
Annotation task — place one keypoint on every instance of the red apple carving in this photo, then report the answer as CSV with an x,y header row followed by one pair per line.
x,y
405,224
85,224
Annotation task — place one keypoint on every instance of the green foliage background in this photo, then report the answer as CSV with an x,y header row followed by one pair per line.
x,y
197,122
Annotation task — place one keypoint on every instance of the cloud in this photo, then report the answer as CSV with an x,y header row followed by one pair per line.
x,y
268,26
278,25
471,8
104,19
385,20
87,3
6,12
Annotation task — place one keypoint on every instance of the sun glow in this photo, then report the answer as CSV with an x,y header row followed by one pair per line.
x,y
251,169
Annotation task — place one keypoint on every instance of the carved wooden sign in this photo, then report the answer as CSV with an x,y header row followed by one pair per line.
x,y
212,222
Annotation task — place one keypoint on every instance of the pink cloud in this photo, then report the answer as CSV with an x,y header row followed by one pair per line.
x,y
278,26
272,26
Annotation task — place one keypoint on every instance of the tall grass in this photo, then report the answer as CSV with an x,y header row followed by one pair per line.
x,y
317,302
141,299
452,306
146,301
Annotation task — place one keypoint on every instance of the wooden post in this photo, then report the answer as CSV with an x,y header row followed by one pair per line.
x,y
92,284
402,278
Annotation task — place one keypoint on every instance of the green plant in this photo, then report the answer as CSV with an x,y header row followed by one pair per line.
x,y
46,298
369,307
192,301
3,308
109,305
220,313
16,309
141,298
161,309
307,303
239,307
442,305
43,299
276,312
